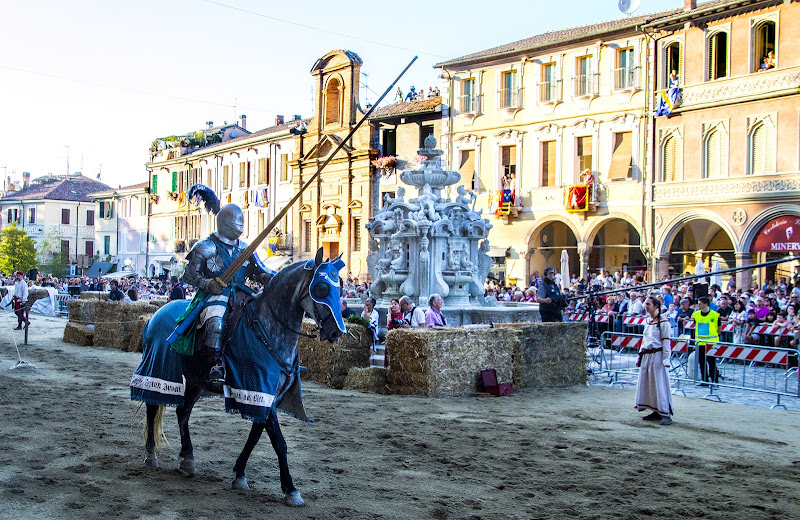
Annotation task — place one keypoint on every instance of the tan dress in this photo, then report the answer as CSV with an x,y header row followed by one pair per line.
x,y
652,389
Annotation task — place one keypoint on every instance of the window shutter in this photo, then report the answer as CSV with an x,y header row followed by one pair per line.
x,y
712,155
174,181
712,44
669,160
763,150
155,184
621,157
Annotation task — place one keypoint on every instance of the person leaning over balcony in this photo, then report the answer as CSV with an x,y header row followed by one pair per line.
x,y
652,389
434,316
674,80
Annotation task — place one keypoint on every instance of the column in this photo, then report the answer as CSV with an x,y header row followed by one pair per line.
x,y
661,266
527,266
583,253
744,278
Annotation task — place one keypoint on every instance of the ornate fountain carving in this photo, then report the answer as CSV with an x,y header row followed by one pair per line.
x,y
429,244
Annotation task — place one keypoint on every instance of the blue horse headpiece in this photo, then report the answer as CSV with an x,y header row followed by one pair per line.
x,y
325,288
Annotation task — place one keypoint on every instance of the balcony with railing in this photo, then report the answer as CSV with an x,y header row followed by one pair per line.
x,y
586,85
626,78
509,101
550,91
469,104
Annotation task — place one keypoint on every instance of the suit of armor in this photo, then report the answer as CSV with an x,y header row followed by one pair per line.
x,y
207,260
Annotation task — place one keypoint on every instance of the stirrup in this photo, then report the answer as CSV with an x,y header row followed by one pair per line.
x,y
217,374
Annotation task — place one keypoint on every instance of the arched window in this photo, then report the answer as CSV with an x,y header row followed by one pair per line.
x,y
671,159
718,55
332,104
672,55
764,43
762,149
715,154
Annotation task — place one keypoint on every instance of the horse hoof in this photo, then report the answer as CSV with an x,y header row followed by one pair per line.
x,y
151,461
187,468
240,483
293,499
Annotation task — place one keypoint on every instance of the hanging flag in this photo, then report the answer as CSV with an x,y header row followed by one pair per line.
x,y
667,101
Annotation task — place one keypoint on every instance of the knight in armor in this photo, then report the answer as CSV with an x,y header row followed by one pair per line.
x,y
206,262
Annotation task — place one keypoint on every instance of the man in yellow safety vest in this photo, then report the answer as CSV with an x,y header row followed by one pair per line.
x,y
706,331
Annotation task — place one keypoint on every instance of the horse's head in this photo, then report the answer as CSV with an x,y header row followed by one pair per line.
x,y
321,300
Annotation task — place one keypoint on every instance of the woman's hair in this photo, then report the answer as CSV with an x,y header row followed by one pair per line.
x,y
740,304
657,305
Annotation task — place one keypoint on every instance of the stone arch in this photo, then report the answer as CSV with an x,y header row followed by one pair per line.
x,y
540,255
547,219
754,227
612,254
677,223
334,88
601,221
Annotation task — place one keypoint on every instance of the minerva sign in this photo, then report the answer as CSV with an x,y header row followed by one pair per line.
x,y
780,235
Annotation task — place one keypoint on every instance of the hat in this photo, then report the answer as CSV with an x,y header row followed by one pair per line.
x,y
19,273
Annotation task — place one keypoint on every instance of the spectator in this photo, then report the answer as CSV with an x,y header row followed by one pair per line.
x,y
413,316
346,311
369,313
178,291
739,319
115,295
394,319
132,295
434,316
752,322
761,308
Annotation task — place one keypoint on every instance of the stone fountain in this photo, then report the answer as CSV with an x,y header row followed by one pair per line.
x,y
431,244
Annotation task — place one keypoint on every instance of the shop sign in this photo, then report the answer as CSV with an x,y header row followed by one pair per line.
x,y
780,235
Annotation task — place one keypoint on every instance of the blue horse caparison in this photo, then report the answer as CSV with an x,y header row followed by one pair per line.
x,y
308,288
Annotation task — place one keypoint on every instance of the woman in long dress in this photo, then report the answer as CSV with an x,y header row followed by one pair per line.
x,y
652,390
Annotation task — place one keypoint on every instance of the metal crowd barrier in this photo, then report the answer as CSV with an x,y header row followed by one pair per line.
x,y
749,368
62,309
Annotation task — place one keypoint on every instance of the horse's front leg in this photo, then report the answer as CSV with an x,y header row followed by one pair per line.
x,y
240,480
190,397
291,495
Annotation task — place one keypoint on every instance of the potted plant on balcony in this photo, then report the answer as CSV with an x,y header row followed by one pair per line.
x,y
386,164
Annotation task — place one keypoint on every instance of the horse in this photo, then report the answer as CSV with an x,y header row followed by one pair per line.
x,y
270,322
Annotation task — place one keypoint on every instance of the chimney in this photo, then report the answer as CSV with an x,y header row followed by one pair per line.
x,y
297,117
244,121
689,5
278,120
210,124
26,179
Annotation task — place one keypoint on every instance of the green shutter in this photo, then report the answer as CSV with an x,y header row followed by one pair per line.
x,y
154,184
174,181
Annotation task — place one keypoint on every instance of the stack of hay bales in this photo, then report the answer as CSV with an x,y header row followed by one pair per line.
x,y
329,363
448,362
370,379
94,295
97,321
116,322
550,354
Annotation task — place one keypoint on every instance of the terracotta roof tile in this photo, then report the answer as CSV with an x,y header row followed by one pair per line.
x,y
407,107
75,189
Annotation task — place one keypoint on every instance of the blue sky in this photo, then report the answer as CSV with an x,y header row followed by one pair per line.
x,y
106,77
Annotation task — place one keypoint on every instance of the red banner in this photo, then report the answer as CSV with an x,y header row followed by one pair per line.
x,y
577,198
780,235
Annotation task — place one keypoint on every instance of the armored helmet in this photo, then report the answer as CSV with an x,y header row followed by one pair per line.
x,y
230,222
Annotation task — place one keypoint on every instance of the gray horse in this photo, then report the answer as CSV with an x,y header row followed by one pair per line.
x,y
269,326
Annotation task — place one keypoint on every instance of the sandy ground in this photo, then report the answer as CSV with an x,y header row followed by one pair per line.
x,y
70,447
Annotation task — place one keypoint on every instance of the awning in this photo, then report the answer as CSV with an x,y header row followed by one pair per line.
x,y
119,274
496,252
276,262
98,269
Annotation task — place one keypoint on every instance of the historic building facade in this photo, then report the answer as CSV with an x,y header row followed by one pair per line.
x,y
726,181
551,134
333,210
251,169
121,232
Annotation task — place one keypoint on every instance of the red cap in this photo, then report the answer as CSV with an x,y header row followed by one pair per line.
x,y
19,273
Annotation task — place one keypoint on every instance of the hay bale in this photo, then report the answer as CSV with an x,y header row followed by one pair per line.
x,y
329,363
94,295
447,361
78,335
550,354
371,379
115,322
81,311
135,344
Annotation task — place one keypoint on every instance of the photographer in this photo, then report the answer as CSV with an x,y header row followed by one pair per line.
x,y
549,297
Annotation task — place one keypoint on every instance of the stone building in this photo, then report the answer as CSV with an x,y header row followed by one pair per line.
x,y
726,181
333,210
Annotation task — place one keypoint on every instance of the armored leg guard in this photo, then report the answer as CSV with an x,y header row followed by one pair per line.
x,y
214,341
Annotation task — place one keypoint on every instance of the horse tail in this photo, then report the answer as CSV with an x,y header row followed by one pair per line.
x,y
158,429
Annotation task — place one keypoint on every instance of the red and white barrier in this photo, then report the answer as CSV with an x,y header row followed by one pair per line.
x,y
626,341
634,320
762,355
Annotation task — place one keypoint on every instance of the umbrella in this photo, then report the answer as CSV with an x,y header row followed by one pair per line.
x,y
699,268
716,279
564,270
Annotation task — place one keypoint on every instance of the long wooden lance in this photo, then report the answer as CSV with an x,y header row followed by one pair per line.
x,y
229,273
245,255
